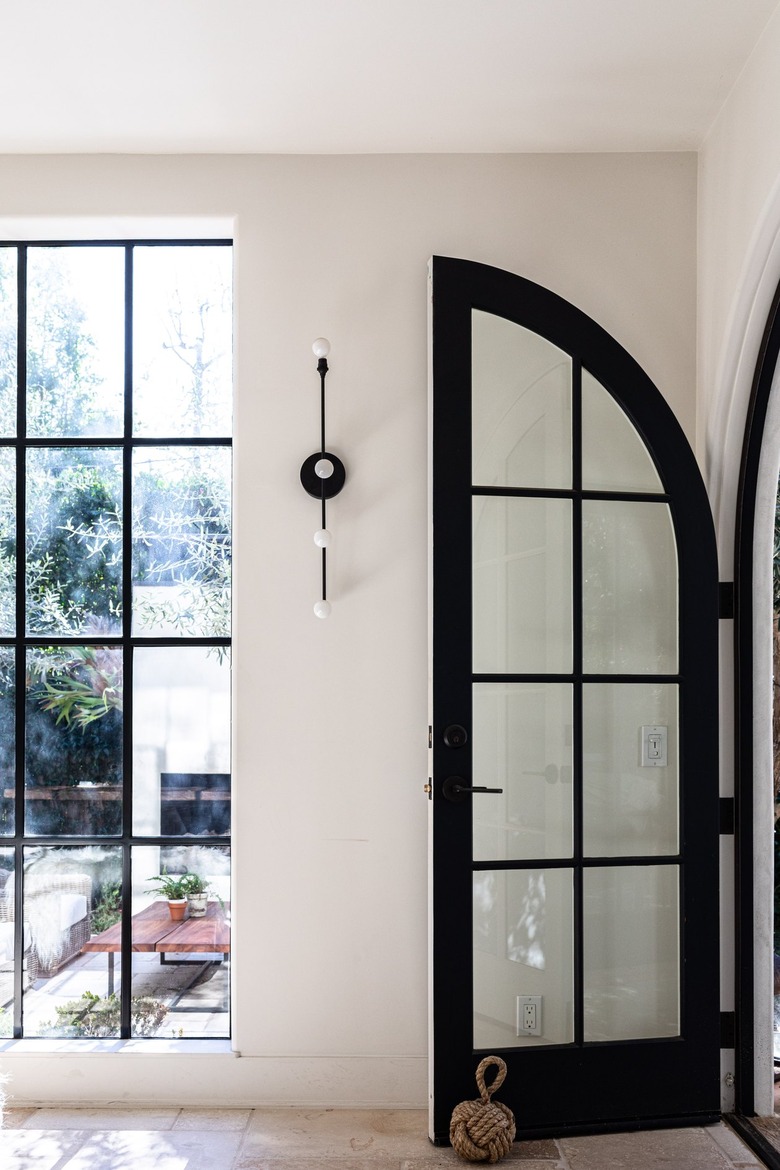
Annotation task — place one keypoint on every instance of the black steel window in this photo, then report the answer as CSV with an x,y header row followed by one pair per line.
x,y
115,571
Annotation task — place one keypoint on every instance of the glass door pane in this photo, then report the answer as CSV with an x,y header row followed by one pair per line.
x,y
523,946
629,588
630,770
522,736
614,456
521,406
522,585
631,952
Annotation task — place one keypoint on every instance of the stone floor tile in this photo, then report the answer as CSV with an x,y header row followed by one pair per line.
x,y
533,1150
13,1118
370,1134
213,1119
23,1149
257,1161
438,1164
155,1150
733,1146
54,1119
657,1149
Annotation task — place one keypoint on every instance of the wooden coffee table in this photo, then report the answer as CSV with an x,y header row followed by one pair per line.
x,y
154,930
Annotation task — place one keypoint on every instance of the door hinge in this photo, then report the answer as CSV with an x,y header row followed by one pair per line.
x,y
430,736
727,822
725,599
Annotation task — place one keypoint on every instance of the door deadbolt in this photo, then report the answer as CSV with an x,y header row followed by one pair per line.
x,y
455,736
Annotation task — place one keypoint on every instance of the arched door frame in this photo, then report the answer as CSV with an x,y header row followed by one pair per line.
x,y
754,791
738,440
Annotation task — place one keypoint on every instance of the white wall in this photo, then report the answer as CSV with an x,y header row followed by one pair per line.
x,y
739,269
330,717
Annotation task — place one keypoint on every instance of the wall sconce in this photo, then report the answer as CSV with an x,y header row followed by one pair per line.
x,y
323,476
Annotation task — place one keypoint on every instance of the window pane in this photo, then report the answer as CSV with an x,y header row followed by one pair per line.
x,y
614,457
8,340
181,748
7,741
182,341
523,945
181,541
73,757
631,801
522,744
6,943
522,594
629,588
7,541
74,540
521,406
632,952
70,896
181,957
75,341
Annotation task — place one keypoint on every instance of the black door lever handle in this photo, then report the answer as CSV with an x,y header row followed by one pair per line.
x,y
455,789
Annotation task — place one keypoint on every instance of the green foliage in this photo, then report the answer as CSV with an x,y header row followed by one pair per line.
x,y
194,884
79,684
172,888
108,910
95,1016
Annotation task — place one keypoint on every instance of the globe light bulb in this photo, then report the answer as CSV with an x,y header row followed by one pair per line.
x,y
322,608
322,538
321,347
323,468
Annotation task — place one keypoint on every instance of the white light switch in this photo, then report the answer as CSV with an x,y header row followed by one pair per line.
x,y
654,746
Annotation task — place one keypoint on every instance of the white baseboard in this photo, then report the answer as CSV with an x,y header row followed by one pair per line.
x,y
130,1078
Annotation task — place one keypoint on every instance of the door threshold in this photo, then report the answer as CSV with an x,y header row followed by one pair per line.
x,y
625,1125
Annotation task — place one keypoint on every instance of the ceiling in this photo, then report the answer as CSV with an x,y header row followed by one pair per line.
x,y
368,76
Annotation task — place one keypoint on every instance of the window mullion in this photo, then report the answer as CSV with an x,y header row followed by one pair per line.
x,y
127,659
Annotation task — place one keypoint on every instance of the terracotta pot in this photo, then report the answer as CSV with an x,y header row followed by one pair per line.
x,y
176,908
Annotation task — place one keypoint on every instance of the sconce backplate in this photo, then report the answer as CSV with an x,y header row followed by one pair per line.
x,y
312,482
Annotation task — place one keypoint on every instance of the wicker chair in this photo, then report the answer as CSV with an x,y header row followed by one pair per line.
x,y
57,909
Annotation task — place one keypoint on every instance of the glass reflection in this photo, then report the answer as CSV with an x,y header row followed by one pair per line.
x,y
73,759
522,744
523,944
522,585
182,340
630,808
75,341
8,340
7,541
631,952
6,943
181,541
182,963
7,740
74,540
521,406
629,588
72,901
181,748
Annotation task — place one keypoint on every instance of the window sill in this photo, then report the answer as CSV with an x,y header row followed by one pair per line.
x,y
173,1047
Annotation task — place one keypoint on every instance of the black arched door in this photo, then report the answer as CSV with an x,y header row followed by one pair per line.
x,y
574,791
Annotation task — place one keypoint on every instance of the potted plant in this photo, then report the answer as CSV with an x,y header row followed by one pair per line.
x,y
197,894
175,890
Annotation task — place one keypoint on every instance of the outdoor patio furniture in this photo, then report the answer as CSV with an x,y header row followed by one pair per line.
x,y
56,919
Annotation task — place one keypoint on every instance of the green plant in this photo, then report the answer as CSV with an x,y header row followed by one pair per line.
x,y
172,888
194,884
95,1016
108,909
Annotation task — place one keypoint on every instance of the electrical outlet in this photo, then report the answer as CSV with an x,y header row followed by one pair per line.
x,y
529,1015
